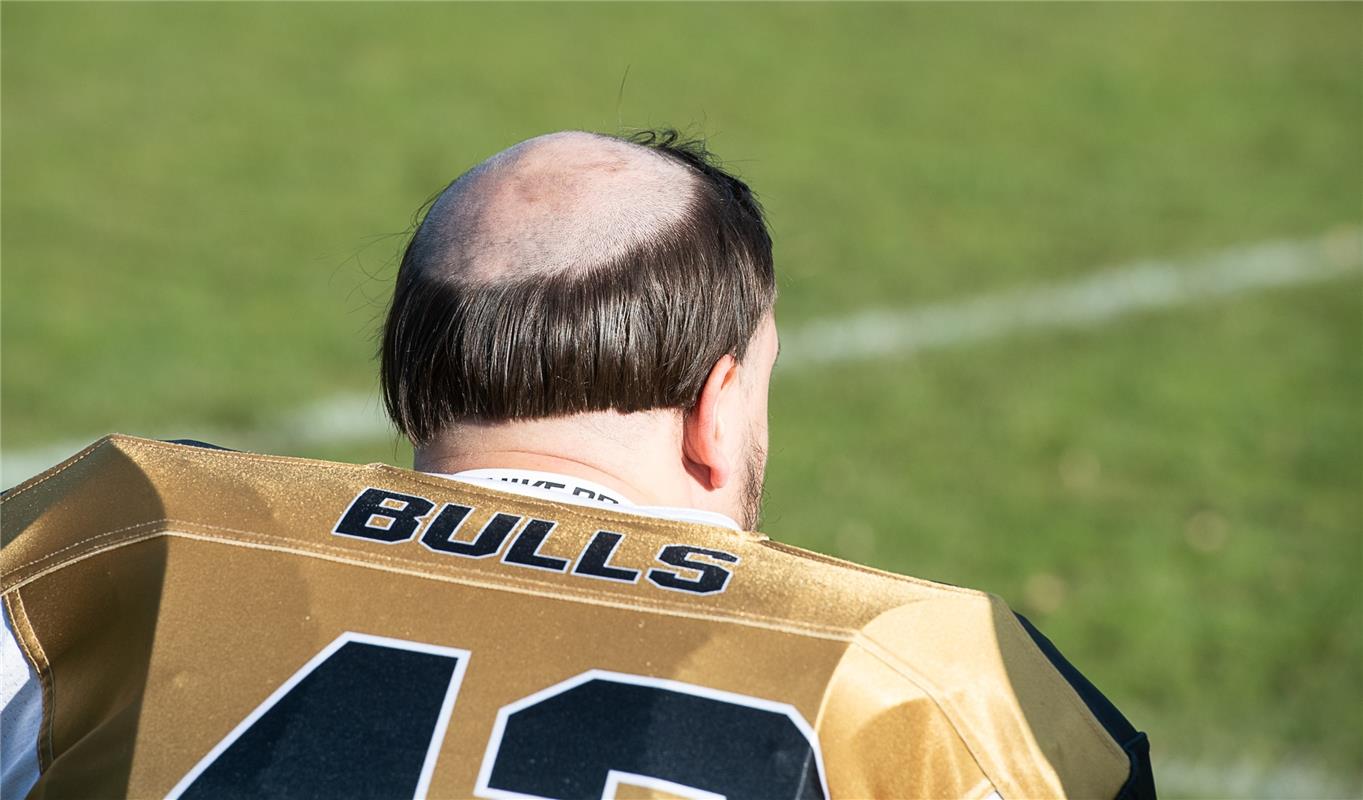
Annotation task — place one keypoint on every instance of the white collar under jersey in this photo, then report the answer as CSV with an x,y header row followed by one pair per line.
x,y
567,489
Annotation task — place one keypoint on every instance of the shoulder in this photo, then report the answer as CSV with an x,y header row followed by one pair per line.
x,y
950,670
103,456
124,486
1037,726
115,460
105,474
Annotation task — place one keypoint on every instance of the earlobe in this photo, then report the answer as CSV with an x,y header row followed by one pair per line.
x,y
704,428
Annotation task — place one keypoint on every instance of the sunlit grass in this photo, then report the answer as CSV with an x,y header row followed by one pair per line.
x,y
201,206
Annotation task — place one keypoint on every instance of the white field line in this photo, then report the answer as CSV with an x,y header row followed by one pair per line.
x,y
1087,302
1247,779
1084,303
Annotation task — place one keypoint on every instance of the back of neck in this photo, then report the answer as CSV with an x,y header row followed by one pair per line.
x,y
637,455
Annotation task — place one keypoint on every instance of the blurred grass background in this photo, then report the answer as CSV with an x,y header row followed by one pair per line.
x,y
202,205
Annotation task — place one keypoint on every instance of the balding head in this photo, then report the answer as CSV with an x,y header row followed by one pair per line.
x,y
575,272
560,202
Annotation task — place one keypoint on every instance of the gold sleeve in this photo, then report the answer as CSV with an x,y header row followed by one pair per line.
x,y
949,697
883,737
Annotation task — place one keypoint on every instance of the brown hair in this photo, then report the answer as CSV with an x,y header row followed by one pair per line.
x,y
639,331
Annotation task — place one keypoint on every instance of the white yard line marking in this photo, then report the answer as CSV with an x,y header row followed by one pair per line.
x,y
1087,302
1253,781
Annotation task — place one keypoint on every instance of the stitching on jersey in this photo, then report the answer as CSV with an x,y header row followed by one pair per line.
x,y
930,690
581,512
44,477
417,569
54,554
33,651
854,567
296,547
893,661
146,444
349,556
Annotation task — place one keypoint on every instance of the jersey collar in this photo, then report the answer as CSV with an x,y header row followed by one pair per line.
x,y
568,489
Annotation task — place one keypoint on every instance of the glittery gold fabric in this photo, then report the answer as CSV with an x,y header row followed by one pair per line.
x,y
163,592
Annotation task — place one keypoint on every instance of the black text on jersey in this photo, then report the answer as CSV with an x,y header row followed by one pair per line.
x,y
389,517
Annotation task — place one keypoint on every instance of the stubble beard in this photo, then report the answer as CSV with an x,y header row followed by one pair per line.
x,y
754,485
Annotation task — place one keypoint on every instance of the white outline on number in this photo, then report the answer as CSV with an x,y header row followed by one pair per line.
x,y
442,722
482,789
615,777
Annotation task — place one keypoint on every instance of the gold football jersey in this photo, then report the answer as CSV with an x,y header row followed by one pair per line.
x,y
207,623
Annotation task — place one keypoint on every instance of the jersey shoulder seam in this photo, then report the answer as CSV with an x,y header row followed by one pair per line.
x,y
603,515
851,566
1077,704
901,668
522,585
55,470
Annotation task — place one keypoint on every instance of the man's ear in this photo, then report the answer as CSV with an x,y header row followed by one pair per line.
x,y
705,430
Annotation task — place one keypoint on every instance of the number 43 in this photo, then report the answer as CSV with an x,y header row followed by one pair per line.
x,y
367,715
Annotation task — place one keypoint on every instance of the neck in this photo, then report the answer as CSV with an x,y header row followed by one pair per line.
x,y
637,455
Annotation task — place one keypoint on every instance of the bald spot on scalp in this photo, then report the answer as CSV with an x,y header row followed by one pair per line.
x,y
560,202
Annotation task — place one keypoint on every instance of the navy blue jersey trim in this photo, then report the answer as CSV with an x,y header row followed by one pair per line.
x,y
1140,784
197,443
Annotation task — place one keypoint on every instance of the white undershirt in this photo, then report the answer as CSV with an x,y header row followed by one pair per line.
x,y
21,716
567,489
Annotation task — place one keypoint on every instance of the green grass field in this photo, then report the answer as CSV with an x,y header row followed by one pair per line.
x,y
202,205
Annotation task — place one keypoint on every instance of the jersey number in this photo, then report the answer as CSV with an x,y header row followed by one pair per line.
x,y
367,715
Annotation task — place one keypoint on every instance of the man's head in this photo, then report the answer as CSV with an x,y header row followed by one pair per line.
x,y
580,274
